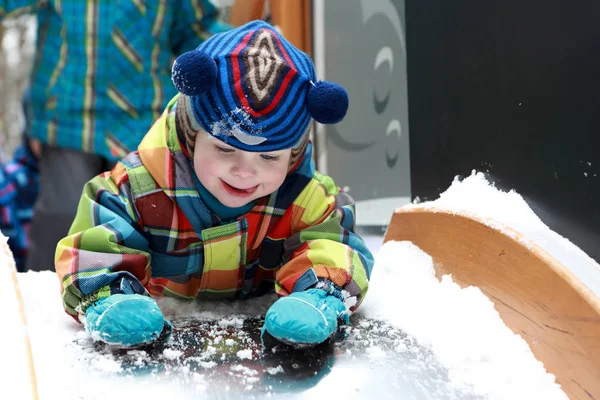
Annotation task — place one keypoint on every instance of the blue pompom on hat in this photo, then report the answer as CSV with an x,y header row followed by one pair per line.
x,y
252,89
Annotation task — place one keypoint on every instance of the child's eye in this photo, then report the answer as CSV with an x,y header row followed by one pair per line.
x,y
223,149
267,157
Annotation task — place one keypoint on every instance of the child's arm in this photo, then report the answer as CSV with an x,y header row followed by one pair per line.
x,y
106,251
325,248
14,8
326,269
194,22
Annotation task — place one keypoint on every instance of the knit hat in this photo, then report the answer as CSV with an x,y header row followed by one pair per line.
x,y
252,89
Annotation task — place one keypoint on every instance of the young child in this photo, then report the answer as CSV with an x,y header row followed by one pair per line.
x,y
222,200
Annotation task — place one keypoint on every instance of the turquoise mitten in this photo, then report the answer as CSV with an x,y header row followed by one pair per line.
x,y
304,319
126,320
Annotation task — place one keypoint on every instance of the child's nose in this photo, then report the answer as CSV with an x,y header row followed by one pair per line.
x,y
243,169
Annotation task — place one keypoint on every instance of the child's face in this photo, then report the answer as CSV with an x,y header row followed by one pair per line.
x,y
237,177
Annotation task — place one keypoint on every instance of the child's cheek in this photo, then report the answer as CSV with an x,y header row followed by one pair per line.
x,y
205,168
275,177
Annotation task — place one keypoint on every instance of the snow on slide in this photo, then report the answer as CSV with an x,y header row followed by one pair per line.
x,y
474,195
415,337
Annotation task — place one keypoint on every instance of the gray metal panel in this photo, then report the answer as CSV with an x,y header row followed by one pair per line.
x,y
364,51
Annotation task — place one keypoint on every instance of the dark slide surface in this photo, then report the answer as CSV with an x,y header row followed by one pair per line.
x,y
217,360
511,88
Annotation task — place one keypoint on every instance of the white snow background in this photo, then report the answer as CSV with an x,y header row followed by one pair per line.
x,y
459,326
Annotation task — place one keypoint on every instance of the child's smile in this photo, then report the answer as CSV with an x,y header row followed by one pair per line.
x,y
241,192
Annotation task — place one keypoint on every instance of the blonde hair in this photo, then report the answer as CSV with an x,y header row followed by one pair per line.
x,y
299,149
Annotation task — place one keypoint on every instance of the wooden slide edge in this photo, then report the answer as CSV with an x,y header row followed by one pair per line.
x,y
11,266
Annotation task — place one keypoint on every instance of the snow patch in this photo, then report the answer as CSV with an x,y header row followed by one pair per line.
x,y
245,354
275,370
461,327
476,196
171,354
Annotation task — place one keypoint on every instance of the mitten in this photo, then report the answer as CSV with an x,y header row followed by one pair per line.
x,y
304,319
126,320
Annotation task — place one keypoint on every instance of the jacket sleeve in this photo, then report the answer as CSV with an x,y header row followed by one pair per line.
x,y
14,8
106,251
323,250
194,22
8,189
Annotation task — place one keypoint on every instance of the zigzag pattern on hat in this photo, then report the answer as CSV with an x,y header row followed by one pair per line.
x,y
264,65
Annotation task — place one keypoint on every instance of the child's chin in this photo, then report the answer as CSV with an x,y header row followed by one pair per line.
x,y
235,203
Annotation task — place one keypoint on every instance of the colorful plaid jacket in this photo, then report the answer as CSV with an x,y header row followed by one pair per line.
x,y
19,185
102,71
143,228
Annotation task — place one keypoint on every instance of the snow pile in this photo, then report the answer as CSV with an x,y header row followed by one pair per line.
x,y
476,196
461,326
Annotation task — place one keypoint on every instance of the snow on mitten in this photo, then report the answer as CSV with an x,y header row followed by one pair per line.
x,y
304,319
126,320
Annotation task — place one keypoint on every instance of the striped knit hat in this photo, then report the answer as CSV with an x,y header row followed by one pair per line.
x,y
252,89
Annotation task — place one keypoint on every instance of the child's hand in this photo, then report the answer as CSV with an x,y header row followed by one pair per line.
x,y
126,320
304,319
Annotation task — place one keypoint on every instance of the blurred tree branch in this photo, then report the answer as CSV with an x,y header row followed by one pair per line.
x,y
17,41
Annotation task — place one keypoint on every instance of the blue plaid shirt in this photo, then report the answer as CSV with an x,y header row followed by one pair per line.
x,y
102,72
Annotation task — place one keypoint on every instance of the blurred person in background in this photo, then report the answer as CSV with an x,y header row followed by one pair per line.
x,y
101,76
19,185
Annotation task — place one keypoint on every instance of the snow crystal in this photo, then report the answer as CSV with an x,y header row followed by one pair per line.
x,y
229,126
375,352
244,370
234,321
245,354
207,364
107,365
275,370
171,354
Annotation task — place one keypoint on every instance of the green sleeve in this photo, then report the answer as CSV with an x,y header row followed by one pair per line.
x,y
106,251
